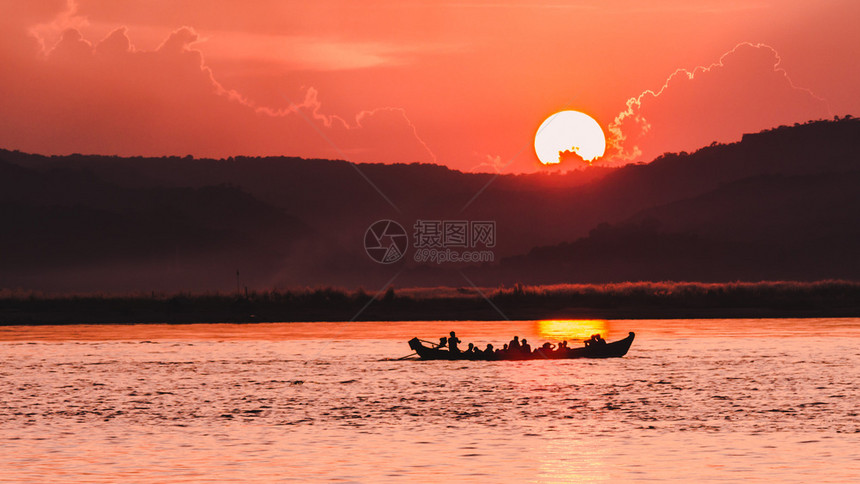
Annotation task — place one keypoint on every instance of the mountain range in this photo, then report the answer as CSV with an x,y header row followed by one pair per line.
x,y
779,204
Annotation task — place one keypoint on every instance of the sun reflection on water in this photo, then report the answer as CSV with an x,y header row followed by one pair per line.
x,y
571,329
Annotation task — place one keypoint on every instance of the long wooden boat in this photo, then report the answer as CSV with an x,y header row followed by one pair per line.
x,y
616,349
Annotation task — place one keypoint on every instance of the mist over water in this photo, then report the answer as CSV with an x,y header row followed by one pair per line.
x,y
772,400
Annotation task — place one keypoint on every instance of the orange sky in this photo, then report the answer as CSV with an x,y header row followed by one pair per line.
x,y
461,84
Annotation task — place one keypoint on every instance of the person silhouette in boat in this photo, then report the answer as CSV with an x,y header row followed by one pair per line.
x,y
489,351
443,342
526,347
595,340
471,348
514,345
453,341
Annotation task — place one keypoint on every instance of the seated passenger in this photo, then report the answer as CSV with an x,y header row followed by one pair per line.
x,y
595,340
526,347
545,349
443,342
515,343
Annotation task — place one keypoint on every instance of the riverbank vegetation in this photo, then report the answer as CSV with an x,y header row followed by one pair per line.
x,y
630,300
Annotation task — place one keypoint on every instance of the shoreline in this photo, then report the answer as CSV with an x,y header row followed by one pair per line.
x,y
641,300
382,314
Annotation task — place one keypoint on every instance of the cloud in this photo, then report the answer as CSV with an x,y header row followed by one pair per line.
x,y
314,53
115,44
110,97
72,47
60,25
490,163
179,41
745,91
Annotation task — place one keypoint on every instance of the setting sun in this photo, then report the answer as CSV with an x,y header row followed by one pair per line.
x,y
569,131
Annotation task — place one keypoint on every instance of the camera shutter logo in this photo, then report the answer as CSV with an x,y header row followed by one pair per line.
x,y
386,241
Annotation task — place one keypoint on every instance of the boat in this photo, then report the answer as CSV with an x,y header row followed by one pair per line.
x,y
616,349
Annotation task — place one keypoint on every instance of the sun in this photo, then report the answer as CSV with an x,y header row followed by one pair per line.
x,y
569,131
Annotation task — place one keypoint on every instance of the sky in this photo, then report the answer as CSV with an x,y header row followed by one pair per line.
x,y
463,84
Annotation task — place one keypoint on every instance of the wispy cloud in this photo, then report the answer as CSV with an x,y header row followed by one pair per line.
x,y
313,53
166,99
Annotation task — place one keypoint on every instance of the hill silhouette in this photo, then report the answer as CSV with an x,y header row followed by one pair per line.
x,y
778,204
66,229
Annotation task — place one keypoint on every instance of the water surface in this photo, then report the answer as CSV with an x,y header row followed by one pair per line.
x,y
694,399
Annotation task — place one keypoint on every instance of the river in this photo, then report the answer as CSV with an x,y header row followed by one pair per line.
x,y
732,399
